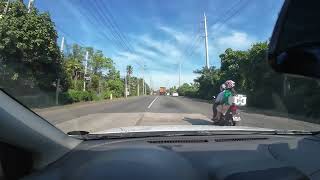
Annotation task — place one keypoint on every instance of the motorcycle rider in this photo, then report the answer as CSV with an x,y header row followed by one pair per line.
x,y
224,105
218,100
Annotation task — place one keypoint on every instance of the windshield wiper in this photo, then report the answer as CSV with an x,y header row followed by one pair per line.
x,y
187,133
292,132
143,134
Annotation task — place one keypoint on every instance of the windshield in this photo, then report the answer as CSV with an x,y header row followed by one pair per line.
x,y
95,65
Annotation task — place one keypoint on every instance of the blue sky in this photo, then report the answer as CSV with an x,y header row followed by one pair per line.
x,y
163,33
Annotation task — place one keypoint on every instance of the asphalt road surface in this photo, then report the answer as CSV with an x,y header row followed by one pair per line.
x,y
151,111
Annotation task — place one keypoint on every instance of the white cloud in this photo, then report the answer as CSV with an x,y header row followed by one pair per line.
x,y
168,80
161,56
165,47
222,37
153,52
236,40
180,37
145,51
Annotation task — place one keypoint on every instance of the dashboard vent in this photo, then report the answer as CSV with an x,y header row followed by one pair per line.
x,y
178,141
239,139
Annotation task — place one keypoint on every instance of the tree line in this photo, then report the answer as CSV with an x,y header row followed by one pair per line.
x,y
265,89
32,65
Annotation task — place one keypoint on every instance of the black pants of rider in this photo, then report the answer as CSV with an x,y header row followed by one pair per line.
x,y
214,110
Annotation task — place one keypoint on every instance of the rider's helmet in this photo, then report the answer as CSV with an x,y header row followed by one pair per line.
x,y
222,87
230,84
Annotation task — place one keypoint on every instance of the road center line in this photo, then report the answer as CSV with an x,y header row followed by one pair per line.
x,y
152,102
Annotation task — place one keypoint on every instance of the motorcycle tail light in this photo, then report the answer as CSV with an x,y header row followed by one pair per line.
x,y
234,108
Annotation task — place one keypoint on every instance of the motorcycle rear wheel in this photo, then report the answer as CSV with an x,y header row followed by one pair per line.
x,y
236,123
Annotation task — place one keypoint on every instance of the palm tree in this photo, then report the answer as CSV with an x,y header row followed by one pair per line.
x,y
129,73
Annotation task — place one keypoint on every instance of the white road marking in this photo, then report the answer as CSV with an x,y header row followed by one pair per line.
x,y
152,102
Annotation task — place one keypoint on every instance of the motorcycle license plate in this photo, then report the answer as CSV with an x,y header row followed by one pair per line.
x,y
236,118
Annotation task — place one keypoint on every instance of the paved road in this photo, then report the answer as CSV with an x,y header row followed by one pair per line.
x,y
153,110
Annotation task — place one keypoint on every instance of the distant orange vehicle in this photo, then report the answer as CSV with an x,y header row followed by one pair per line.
x,y
162,91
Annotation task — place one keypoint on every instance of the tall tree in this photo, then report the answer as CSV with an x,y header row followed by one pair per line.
x,y
100,63
187,90
74,69
29,53
208,82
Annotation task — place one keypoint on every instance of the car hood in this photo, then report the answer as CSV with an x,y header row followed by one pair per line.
x,y
180,128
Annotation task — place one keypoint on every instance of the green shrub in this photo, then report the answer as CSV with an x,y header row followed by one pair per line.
x,y
78,85
95,96
74,95
106,94
191,93
78,96
64,98
86,96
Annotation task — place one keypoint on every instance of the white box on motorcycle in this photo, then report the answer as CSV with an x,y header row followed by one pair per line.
x,y
238,100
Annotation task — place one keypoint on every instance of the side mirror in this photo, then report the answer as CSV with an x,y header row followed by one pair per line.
x,y
294,47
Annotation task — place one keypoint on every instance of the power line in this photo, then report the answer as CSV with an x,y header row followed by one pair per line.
x,y
68,35
190,48
231,12
95,21
196,44
196,37
228,11
189,51
114,26
110,39
115,23
114,29
106,22
234,13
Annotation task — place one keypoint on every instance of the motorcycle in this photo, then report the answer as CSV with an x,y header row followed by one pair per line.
x,y
232,117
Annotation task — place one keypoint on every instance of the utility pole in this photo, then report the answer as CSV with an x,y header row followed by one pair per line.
x,y
138,88
30,4
151,91
206,41
179,73
125,87
57,91
145,89
85,70
7,7
99,87
58,80
62,45
143,80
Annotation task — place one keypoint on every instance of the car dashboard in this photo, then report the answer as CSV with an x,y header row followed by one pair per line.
x,y
228,157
